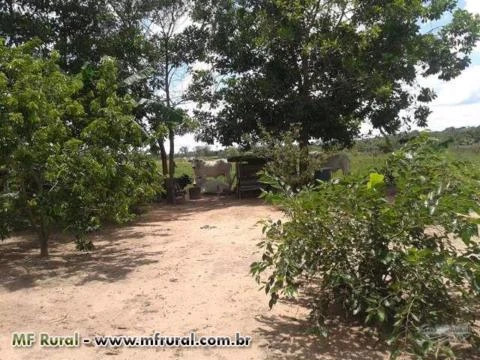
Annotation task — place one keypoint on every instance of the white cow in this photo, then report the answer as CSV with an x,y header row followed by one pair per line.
x,y
211,168
214,186
338,162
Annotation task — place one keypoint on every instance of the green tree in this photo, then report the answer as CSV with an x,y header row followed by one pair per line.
x,y
146,38
175,47
183,150
328,65
70,150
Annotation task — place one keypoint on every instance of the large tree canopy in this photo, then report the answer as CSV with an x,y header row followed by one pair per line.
x,y
329,65
81,30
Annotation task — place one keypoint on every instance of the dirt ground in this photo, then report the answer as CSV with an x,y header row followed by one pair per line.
x,y
174,270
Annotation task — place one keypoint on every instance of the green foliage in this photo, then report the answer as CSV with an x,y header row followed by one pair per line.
x,y
183,167
290,164
363,163
69,146
329,65
172,53
463,139
397,250
470,153
204,151
82,30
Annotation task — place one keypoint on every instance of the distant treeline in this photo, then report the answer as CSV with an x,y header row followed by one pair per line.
x,y
206,151
465,137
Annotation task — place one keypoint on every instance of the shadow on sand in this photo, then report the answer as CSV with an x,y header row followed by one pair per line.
x,y
184,209
291,338
118,249
21,267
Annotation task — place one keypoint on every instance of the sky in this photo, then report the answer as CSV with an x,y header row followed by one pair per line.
x,y
458,101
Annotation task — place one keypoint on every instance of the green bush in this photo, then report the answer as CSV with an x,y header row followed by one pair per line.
x,y
396,250
288,163
71,154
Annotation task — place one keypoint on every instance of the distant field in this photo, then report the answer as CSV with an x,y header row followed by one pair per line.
x,y
361,163
183,168
466,154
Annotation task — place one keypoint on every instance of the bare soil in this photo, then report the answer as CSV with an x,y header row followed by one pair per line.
x,y
175,270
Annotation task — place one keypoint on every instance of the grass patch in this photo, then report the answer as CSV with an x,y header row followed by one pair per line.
x,y
466,154
183,167
361,163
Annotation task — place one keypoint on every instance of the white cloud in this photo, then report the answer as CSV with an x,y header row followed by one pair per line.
x,y
458,90
201,65
473,6
454,116
179,25
458,101
184,22
188,140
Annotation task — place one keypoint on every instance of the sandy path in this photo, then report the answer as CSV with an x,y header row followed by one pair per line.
x,y
175,270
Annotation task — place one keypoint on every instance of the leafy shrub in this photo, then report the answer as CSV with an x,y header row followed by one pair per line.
x,y
289,163
70,151
396,250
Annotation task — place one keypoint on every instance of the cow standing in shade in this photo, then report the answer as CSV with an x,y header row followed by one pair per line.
x,y
204,169
338,162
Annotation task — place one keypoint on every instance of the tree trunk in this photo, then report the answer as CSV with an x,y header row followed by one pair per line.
x,y
171,168
43,238
39,221
303,144
163,157
43,247
171,133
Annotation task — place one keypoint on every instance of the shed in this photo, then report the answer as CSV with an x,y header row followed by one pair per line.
x,y
247,167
